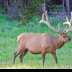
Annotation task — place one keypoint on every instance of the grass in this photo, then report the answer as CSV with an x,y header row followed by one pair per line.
x,y
9,30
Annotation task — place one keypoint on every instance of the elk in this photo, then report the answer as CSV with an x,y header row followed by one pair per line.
x,y
42,43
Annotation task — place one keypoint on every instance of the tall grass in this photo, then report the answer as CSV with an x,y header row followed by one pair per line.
x,y
9,30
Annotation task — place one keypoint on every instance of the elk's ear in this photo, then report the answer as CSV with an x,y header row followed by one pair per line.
x,y
60,33
65,33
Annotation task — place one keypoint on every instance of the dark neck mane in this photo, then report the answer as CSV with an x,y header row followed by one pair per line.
x,y
60,42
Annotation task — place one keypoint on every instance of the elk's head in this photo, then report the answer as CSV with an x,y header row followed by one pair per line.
x,y
65,37
63,34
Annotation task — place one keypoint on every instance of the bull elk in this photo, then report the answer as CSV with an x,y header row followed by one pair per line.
x,y
42,43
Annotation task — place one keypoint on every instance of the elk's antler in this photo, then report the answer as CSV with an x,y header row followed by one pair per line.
x,y
69,23
48,23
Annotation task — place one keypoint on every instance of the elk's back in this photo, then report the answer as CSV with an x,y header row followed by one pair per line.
x,y
34,42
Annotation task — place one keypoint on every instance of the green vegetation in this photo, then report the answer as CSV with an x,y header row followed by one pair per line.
x,y
9,30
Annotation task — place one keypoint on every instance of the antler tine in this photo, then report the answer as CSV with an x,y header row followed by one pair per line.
x,y
70,20
64,29
58,27
69,23
48,23
43,19
67,19
47,17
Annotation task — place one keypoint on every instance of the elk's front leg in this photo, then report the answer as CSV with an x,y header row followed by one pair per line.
x,y
43,57
54,56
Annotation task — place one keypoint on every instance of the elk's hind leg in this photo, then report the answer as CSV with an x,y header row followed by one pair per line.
x,y
22,55
16,54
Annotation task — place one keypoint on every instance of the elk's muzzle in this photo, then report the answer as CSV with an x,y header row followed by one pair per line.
x,y
69,39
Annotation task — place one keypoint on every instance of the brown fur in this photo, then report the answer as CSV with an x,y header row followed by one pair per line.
x,y
40,44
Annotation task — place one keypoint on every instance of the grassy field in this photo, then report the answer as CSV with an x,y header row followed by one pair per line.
x,y
9,30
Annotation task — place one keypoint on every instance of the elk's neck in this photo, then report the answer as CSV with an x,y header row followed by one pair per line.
x,y
60,42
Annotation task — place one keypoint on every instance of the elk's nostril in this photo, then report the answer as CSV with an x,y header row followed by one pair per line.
x,y
69,39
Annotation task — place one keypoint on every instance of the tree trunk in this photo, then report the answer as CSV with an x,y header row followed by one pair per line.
x,y
44,7
15,8
63,5
12,8
57,2
9,13
67,6
22,7
51,1
70,2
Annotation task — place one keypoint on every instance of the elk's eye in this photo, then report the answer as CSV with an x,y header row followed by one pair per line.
x,y
65,36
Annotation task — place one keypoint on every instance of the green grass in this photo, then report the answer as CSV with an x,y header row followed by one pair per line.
x,y
9,30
